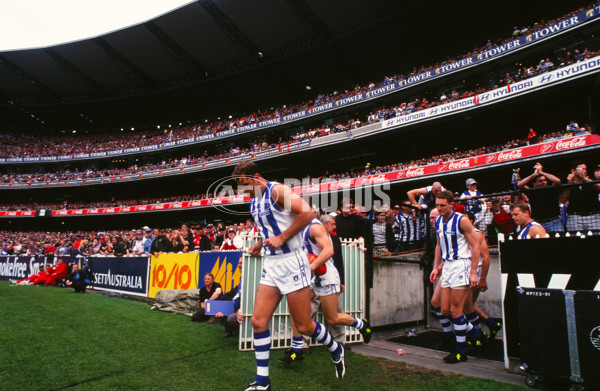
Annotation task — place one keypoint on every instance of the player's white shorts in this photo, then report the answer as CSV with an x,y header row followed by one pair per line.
x,y
478,273
455,273
287,272
325,290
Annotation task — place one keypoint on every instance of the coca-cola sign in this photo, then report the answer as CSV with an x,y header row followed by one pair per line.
x,y
575,142
546,147
490,159
415,172
458,164
377,178
400,174
443,166
510,155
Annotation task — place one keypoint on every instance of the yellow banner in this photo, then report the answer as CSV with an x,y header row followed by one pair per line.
x,y
173,271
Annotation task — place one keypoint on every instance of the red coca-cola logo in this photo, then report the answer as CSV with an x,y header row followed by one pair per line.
x,y
415,172
459,164
344,184
546,147
377,178
400,175
572,143
490,159
510,155
443,166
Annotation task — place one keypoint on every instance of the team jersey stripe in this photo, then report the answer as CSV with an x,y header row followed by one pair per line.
x,y
452,242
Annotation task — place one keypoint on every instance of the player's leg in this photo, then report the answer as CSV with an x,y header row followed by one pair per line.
x,y
329,304
494,325
458,296
266,300
295,352
314,309
445,321
338,331
299,306
476,336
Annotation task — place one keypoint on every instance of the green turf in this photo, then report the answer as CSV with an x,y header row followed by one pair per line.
x,y
52,338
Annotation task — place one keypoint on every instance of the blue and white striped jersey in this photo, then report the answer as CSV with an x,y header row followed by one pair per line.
x,y
406,229
451,238
332,275
271,221
523,232
472,206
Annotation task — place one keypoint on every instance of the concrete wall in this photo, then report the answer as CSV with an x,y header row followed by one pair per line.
x,y
397,294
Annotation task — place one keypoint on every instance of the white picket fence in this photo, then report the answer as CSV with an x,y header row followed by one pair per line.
x,y
353,298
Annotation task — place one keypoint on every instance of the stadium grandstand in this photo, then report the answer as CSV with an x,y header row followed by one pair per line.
x,y
387,107
140,129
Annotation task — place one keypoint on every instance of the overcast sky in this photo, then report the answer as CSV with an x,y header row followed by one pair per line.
x,y
28,24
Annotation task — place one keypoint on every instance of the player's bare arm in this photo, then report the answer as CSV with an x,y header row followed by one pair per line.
x,y
473,240
484,252
319,233
285,197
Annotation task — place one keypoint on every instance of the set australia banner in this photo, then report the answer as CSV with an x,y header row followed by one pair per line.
x,y
487,54
122,275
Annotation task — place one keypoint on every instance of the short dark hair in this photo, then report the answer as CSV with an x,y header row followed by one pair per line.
x,y
521,205
345,201
576,163
247,168
446,195
471,216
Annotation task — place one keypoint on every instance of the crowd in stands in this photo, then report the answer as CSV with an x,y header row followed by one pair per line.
x,y
491,216
260,144
20,145
572,129
123,243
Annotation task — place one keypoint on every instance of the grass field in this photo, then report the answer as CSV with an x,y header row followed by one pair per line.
x,y
52,339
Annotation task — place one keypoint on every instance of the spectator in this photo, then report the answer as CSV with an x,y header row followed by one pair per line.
x,y
499,217
148,240
232,322
406,228
220,236
118,248
57,274
233,241
177,242
161,244
187,239
78,279
426,196
473,205
137,247
34,278
532,136
544,203
210,291
383,236
582,210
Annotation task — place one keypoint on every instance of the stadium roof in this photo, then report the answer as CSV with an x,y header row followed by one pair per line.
x,y
212,55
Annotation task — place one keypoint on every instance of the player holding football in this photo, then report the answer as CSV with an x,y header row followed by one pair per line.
x,y
326,285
